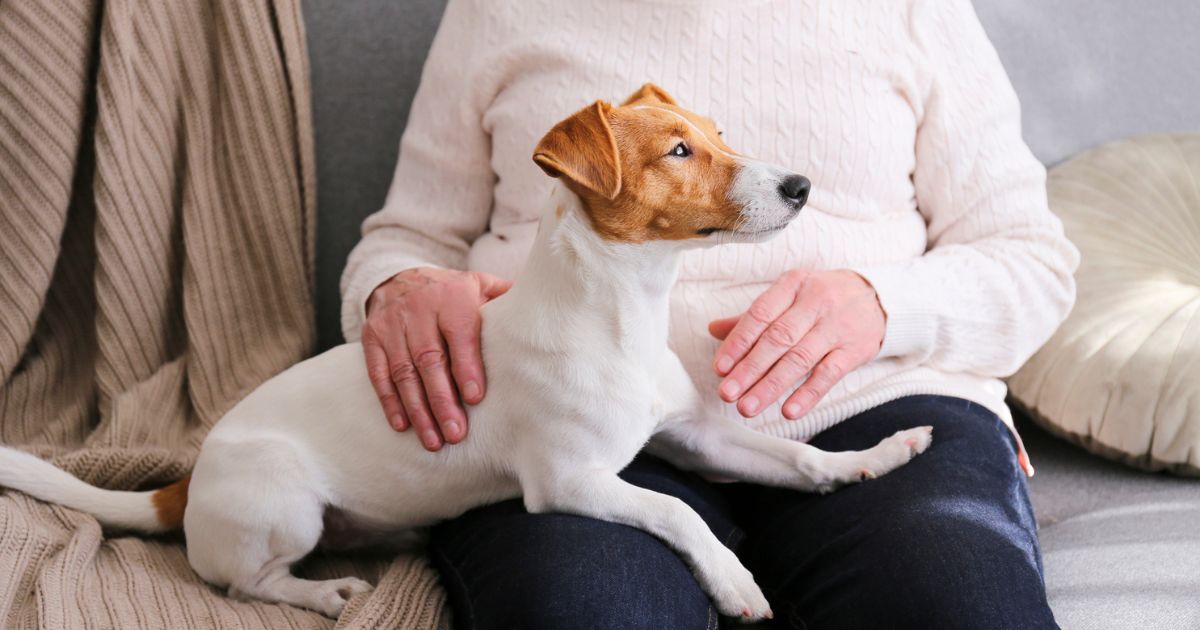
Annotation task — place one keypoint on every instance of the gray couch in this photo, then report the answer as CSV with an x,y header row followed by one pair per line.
x,y
1122,548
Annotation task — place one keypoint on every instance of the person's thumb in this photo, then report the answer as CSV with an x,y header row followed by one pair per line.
x,y
491,286
720,328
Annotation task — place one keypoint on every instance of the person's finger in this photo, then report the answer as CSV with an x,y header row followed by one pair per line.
x,y
381,380
412,393
492,287
824,376
771,304
784,335
720,329
790,369
461,331
428,351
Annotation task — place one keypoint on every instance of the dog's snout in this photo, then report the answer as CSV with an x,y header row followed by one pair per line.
x,y
794,188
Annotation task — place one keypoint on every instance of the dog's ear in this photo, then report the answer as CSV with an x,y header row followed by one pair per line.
x,y
582,149
650,93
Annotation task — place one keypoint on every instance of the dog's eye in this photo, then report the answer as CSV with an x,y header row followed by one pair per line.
x,y
681,150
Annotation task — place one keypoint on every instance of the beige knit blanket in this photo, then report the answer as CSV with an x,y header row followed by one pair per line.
x,y
156,252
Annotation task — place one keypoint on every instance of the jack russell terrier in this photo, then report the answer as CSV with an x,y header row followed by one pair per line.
x,y
581,381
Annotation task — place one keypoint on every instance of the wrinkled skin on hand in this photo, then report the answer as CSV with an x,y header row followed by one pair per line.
x,y
809,327
421,342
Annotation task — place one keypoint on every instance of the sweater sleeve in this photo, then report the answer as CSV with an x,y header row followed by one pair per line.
x,y
996,279
440,198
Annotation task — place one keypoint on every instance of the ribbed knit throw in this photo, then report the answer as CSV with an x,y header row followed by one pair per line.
x,y
156,252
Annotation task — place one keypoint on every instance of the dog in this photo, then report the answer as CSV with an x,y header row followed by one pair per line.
x,y
581,380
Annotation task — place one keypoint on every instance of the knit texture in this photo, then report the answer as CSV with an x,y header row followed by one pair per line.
x,y
899,112
156,248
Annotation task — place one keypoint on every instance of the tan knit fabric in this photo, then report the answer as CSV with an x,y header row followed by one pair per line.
x,y
156,251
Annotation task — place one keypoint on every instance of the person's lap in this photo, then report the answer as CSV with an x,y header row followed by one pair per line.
x,y
946,541
506,568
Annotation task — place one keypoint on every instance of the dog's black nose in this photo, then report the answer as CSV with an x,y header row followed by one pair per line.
x,y
795,188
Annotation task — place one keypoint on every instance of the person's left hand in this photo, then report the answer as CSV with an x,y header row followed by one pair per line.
x,y
824,322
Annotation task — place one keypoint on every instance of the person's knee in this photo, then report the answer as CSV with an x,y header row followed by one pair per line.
x,y
959,566
606,591
576,573
643,601
935,563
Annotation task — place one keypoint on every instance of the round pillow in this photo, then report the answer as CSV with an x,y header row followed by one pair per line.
x,y
1121,376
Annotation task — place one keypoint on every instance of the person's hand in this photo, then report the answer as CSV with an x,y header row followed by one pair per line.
x,y
824,322
422,329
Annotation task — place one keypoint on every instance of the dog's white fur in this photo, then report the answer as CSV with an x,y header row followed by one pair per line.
x,y
580,380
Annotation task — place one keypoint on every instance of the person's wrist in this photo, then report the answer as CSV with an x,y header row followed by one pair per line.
x,y
380,293
859,279
377,294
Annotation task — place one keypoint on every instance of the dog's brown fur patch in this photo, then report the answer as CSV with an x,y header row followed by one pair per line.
x,y
582,150
170,502
618,160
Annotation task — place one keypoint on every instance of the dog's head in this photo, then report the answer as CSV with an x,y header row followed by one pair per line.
x,y
650,170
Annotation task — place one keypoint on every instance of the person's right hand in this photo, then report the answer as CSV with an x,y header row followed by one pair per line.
x,y
422,330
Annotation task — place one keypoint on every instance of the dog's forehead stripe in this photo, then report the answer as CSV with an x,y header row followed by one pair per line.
x,y
692,125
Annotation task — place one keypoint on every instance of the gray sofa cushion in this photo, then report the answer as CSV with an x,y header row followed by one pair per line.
x,y
1121,547
1108,569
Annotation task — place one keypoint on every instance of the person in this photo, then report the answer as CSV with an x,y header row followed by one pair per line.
x,y
925,267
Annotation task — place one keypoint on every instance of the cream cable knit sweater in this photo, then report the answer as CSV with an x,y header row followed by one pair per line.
x,y
899,112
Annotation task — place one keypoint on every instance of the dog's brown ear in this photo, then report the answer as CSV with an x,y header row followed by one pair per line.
x,y
583,150
650,93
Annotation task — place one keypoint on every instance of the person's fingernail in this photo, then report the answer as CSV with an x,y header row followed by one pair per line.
x,y
792,411
452,429
430,438
397,423
724,364
750,404
730,389
471,390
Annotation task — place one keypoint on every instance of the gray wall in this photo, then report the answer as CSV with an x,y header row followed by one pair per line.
x,y
1087,71
366,58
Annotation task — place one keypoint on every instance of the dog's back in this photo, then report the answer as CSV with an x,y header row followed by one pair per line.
x,y
321,420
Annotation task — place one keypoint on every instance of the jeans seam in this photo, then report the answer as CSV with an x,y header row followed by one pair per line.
x,y
467,603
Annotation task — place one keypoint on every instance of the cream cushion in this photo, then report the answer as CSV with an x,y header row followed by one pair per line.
x,y
1121,376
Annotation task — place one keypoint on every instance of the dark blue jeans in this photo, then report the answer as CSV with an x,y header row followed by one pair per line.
x,y
947,541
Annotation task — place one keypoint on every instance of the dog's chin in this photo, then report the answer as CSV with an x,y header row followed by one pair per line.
x,y
751,230
753,233
721,237
757,236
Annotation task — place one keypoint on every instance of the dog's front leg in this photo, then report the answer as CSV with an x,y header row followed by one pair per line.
x,y
605,496
692,439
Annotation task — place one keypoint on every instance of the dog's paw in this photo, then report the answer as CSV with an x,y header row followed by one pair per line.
x,y
890,454
335,594
895,451
736,594
917,440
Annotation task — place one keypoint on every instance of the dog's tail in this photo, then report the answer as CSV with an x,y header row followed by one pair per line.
x,y
151,512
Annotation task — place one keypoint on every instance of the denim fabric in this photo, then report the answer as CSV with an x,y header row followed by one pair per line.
x,y
947,541
510,570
